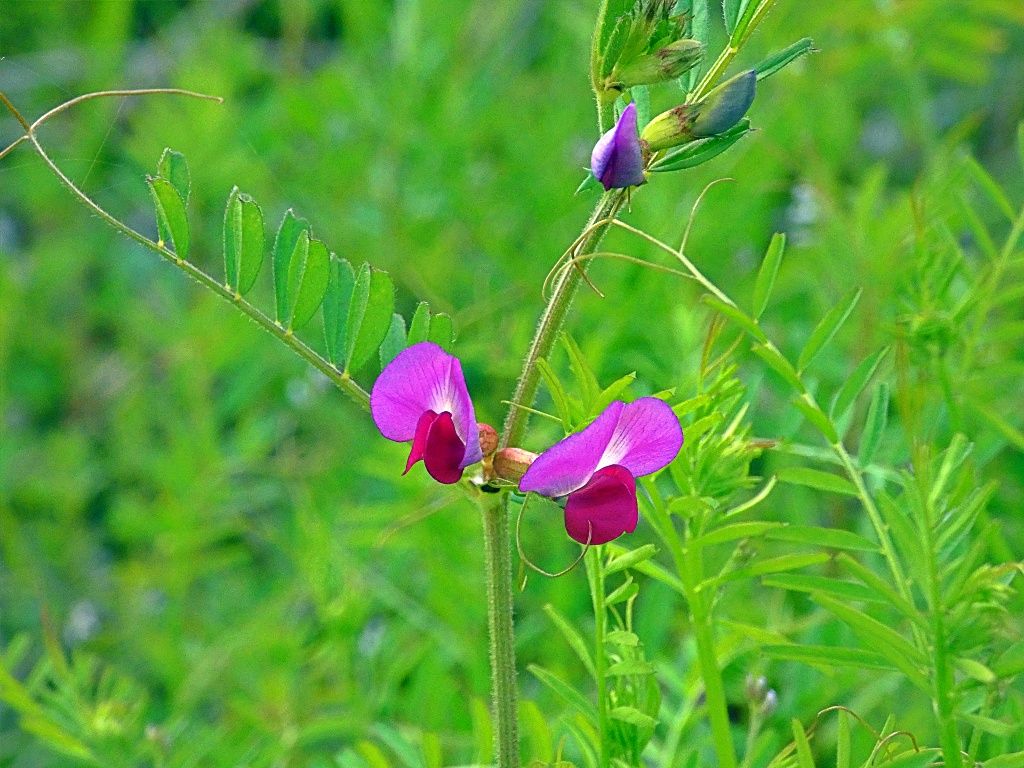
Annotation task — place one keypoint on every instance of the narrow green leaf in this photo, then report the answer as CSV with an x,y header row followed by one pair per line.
x,y
243,242
572,637
442,331
837,588
874,426
171,218
990,186
370,318
336,307
630,667
589,182
767,273
284,246
784,58
612,392
736,315
817,417
828,656
774,360
633,716
1013,760
886,641
652,569
815,478
557,392
731,13
827,328
419,328
829,538
769,565
628,589
173,167
991,725
698,152
856,382
308,275
585,379
700,30
732,532
914,759
394,341
803,747
563,690
630,559
975,669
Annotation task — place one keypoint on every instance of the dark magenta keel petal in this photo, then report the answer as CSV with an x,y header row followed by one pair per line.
x,y
419,442
444,450
603,509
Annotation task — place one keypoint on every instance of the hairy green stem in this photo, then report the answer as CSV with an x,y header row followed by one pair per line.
x,y
504,691
554,315
595,577
341,378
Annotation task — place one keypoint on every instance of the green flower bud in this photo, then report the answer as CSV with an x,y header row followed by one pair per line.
x,y
667,63
670,128
717,112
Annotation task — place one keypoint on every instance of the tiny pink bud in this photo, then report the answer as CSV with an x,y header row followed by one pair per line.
x,y
511,463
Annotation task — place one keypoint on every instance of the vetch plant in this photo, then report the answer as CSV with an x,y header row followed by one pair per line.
x,y
623,458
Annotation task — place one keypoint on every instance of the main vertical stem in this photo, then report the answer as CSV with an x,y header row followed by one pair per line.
x,y
554,315
595,575
504,694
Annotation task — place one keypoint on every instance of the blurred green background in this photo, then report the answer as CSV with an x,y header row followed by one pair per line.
x,y
185,501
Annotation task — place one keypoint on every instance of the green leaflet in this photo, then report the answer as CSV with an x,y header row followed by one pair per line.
x,y
369,316
308,275
243,242
284,246
340,283
173,167
171,218
767,273
702,150
827,327
781,59
394,340
815,478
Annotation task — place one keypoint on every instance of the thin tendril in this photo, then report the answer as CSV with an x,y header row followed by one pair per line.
x,y
693,211
623,257
534,411
533,566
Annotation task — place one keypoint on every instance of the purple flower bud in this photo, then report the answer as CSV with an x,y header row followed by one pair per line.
x,y
596,469
421,396
721,109
617,160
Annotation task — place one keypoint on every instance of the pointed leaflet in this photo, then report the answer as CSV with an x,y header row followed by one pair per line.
x,y
585,378
243,242
731,13
419,328
171,219
369,316
340,283
816,479
874,426
394,341
855,383
308,273
766,275
572,637
804,758
700,30
784,58
442,331
173,167
827,328
702,150
284,246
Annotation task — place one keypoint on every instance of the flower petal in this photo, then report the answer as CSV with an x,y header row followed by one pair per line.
x,y
419,441
444,450
617,159
424,378
603,509
647,437
570,463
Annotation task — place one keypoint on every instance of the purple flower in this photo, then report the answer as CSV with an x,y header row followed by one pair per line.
x,y
617,160
421,396
597,468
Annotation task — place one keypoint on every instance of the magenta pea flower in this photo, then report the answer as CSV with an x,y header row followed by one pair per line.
x,y
597,468
617,160
421,396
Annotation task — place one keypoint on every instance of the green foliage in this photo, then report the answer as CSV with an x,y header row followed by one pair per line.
x,y
232,573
